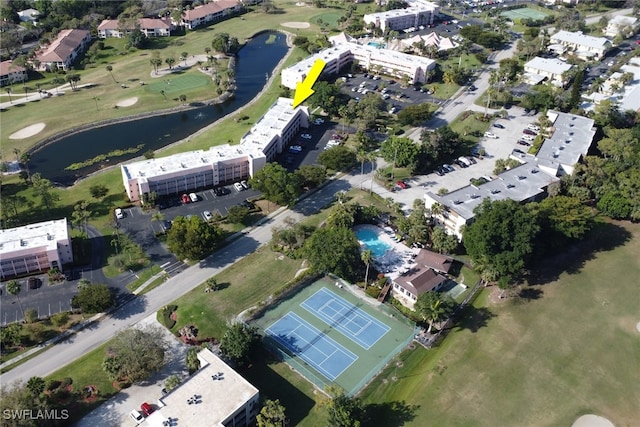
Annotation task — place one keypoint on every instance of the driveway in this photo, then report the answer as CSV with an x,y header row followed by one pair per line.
x,y
115,411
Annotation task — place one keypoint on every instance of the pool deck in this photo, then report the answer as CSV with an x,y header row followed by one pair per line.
x,y
397,260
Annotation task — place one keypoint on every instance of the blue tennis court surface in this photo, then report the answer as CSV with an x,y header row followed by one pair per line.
x,y
324,354
346,318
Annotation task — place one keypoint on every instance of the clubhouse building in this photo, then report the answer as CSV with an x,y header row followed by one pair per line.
x,y
34,248
570,141
346,50
216,395
220,164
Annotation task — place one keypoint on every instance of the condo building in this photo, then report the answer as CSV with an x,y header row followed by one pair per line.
x,y
419,13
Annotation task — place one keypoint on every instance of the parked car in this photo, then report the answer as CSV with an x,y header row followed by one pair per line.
x,y
119,213
193,197
137,416
221,191
533,127
449,168
498,125
524,143
528,137
465,161
306,136
528,132
33,282
146,409
207,215
245,184
402,184
438,171
460,163
185,198
238,186
490,135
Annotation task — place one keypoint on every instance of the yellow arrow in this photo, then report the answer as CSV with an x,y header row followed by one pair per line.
x,y
303,89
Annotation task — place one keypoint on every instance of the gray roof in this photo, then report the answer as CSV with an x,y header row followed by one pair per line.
x,y
580,39
549,65
570,140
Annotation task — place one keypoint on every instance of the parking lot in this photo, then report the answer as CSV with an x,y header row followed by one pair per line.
x,y
499,148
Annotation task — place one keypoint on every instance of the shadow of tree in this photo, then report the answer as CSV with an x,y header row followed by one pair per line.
x,y
389,414
605,236
527,294
474,318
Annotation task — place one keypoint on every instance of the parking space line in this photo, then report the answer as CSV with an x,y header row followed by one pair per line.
x,y
213,195
130,210
204,194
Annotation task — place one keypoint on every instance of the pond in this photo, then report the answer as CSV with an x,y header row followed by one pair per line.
x,y
254,64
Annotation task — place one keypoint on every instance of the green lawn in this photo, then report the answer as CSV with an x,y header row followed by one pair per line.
x,y
570,349
469,127
176,85
330,18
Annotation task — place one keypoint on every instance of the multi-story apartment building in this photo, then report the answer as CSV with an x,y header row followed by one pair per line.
x,y
63,50
345,50
215,395
579,44
220,164
150,27
419,12
551,69
208,13
571,137
10,74
620,25
35,248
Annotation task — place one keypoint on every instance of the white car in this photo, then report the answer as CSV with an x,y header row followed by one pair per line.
x,y
305,136
490,135
119,213
527,137
238,186
533,128
193,197
207,215
137,416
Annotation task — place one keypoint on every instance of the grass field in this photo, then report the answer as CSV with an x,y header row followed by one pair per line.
x,y
176,85
330,18
569,348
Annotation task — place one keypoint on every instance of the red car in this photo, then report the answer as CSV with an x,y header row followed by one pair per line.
x,y
402,185
185,198
146,409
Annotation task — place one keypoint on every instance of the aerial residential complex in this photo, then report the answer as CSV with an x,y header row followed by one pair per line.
x,y
208,13
551,69
345,50
570,141
34,248
220,164
63,50
621,26
10,74
419,12
150,27
216,395
581,45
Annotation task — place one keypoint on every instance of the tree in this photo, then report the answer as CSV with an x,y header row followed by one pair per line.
x,y
184,56
414,115
170,61
73,80
434,307
192,361
134,354
11,335
192,238
8,90
94,298
443,242
311,176
155,61
172,382
183,98
80,214
31,315
13,287
366,257
277,184
137,39
344,411
326,96
109,69
272,414
99,191
36,386
237,214
401,151
238,341
566,217
343,259
337,158
502,237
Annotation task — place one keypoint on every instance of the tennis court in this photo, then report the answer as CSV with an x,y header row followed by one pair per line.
x,y
332,335
320,351
524,13
345,317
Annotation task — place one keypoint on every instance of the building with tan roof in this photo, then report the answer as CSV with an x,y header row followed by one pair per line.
x,y
210,12
150,27
10,73
63,50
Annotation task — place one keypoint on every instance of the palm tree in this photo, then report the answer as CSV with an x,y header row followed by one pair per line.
x,y
183,98
170,61
362,157
13,287
162,92
8,90
96,99
17,152
157,216
184,57
155,63
366,256
109,68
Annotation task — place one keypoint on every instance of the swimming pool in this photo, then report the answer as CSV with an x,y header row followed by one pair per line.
x,y
377,45
371,241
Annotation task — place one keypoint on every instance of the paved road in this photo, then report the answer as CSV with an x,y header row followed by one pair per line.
x,y
143,306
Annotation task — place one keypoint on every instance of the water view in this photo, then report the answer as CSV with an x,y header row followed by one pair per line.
x,y
255,62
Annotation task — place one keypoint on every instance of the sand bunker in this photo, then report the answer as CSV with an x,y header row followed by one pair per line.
x,y
296,24
127,102
592,421
638,326
23,133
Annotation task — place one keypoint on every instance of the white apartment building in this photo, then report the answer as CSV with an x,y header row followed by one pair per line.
x,y
579,44
551,69
35,248
419,12
10,74
570,141
220,164
210,12
150,27
626,96
346,50
215,395
620,25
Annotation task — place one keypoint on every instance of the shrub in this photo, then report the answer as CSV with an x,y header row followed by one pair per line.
x,y
66,381
60,319
53,384
164,316
31,315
